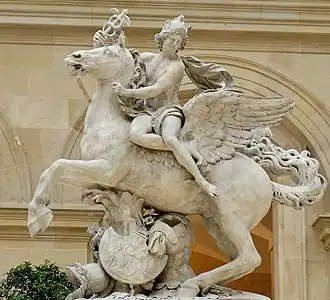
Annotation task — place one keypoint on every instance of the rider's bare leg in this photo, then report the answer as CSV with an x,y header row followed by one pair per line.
x,y
141,134
170,130
190,144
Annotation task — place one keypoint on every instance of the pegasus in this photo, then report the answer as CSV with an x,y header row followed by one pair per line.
x,y
222,123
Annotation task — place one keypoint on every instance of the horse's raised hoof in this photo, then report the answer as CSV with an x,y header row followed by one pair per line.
x,y
34,229
32,224
189,288
39,220
44,218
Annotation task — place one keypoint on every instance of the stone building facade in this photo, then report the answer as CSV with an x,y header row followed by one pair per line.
x,y
271,48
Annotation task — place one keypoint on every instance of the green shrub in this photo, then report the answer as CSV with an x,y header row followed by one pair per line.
x,y
30,282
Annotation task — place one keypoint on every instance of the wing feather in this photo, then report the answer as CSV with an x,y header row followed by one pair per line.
x,y
222,121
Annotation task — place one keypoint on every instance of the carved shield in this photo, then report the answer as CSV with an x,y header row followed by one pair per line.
x,y
127,258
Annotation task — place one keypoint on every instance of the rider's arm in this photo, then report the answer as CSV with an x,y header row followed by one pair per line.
x,y
173,74
146,57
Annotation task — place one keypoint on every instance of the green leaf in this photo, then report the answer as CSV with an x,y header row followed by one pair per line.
x,y
30,282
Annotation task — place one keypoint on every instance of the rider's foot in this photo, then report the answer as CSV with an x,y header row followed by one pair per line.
x,y
210,189
201,163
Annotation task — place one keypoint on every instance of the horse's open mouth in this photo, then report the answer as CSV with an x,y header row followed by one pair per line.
x,y
77,70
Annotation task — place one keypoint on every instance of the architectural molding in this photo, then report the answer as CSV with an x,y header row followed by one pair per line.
x,y
229,15
18,157
143,39
322,226
69,224
271,26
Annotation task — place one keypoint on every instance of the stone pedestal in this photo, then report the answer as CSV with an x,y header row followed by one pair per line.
x,y
241,296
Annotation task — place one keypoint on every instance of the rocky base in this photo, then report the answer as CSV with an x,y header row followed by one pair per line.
x,y
239,296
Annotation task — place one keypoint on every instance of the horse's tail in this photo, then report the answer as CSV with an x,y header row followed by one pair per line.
x,y
303,170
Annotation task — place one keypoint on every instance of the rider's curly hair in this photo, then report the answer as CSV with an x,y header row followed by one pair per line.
x,y
162,36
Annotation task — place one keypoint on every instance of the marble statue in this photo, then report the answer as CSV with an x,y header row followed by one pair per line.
x,y
151,162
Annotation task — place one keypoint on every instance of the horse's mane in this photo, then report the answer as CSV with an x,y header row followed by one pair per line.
x,y
132,106
138,79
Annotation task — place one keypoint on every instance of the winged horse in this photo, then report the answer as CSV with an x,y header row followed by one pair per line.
x,y
222,122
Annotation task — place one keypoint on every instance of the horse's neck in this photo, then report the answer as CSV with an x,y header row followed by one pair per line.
x,y
104,111
105,102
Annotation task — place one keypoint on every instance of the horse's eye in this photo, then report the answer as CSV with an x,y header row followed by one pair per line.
x,y
107,52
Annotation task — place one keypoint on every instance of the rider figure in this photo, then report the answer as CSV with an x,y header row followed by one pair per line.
x,y
164,74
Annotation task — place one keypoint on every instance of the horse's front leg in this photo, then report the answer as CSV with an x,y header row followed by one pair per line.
x,y
80,173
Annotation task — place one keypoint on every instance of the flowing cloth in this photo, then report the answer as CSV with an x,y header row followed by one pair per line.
x,y
207,76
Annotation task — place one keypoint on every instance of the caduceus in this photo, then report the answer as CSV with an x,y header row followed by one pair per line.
x,y
116,22
114,27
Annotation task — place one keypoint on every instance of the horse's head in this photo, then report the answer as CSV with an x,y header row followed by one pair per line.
x,y
105,63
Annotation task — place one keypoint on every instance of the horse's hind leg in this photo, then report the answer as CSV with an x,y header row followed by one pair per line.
x,y
225,245
85,174
238,246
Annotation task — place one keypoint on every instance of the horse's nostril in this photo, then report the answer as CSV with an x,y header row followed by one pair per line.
x,y
76,55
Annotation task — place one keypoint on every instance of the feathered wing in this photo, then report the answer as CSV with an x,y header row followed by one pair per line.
x,y
222,121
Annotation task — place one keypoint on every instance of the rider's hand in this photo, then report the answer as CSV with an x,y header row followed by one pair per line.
x,y
100,38
120,90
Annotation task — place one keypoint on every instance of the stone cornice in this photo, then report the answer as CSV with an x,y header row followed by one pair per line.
x,y
228,15
322,225
143,39
229,25
69,223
